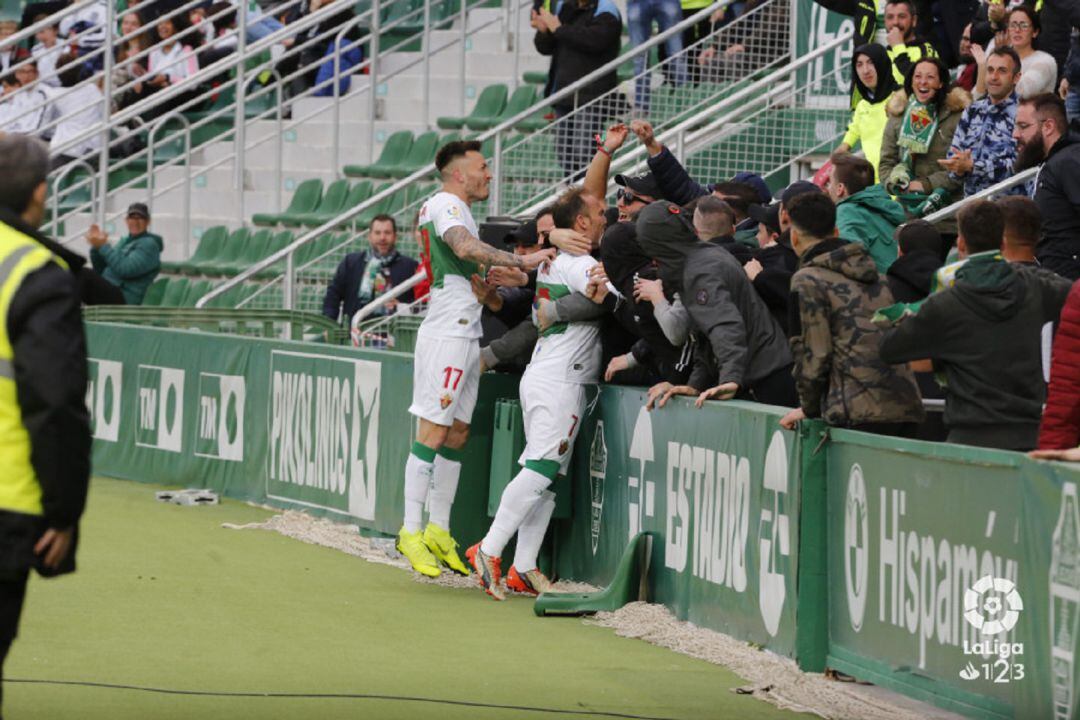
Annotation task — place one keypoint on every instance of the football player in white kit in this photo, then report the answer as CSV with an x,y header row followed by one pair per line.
x,y
446,371
565,361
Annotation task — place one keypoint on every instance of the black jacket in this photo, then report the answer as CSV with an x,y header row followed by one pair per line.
x,y
675,183
985,334
1057,193
588,38
745,340
345,287
910,275
90,287
742,253
778,262
1058,18
46,332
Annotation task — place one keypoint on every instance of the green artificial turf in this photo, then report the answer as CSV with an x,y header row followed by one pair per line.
x,y
167,598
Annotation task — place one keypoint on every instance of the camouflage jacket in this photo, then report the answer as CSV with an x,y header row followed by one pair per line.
x,y
986,130
838,370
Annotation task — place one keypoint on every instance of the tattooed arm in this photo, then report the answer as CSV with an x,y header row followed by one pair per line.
x,y
468,247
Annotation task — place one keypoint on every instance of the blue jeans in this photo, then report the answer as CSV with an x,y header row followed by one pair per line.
x,y
1072,103
640,15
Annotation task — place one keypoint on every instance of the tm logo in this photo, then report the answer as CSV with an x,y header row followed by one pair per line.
x,y
775,536
221,417
160,409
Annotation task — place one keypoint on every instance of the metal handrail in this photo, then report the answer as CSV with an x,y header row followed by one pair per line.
x,y
392,294
425,171
752,91
64,172
261,92
1007,184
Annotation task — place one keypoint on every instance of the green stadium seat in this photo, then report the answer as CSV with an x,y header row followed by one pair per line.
x,y
363,220
522,99
195,291
420,154
279,242
254,250
394,152
488,106
156,291
307,197
536,77
333,202
210,246
174,292
360,192
230,251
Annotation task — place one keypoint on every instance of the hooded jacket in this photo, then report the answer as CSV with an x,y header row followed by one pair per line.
x,y
838,370
871,217
1057,193
741,341
912,274
623,261
985,334
925,168
131,265
870,117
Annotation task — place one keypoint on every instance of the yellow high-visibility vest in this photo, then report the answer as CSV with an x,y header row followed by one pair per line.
x,y
20,490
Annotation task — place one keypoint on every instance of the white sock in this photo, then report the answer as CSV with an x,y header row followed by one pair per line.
x,y
518,499
443,488
531,533
417,479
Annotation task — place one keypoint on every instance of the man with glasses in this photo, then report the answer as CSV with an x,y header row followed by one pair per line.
x,y
1042,137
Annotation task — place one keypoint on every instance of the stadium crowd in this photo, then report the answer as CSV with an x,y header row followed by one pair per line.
x,y
53,83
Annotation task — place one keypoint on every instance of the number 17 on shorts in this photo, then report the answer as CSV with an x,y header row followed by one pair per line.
x,y
446,378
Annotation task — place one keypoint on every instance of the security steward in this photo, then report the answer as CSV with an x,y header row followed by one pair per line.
x,y
44,425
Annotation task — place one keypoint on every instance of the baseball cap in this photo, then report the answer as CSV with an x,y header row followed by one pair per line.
x,y
767,215
524,234
755,181
640,184
138,210
797,188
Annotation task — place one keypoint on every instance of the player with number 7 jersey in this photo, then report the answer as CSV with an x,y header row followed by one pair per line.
x,y
565,363
446,362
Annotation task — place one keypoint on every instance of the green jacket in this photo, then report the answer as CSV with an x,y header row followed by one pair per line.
x,y
838,370
131,265
871,217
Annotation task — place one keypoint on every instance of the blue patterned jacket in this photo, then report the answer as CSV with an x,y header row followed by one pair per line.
x,y
986,130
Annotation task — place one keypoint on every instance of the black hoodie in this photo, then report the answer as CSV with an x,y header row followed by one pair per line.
x,y
910,276
886,84
985,334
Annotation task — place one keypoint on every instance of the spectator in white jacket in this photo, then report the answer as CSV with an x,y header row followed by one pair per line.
x,y
78,107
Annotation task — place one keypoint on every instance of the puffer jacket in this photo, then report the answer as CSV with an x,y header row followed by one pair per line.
x,y
838,370
925,168
1060,427
131,265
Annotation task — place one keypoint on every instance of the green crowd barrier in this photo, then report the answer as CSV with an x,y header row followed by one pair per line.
x,y
951,574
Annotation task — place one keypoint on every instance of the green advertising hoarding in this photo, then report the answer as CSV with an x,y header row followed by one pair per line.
x,y
914,528
718,487
318,427
814,27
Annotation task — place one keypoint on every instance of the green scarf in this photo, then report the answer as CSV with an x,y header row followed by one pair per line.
x,y
918,128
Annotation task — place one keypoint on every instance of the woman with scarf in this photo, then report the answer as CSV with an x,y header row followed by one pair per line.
x,y
872,82
654,357
922,120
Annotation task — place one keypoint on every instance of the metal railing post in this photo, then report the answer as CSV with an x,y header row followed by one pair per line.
x,y
426,44
373,73
461,73
280,160
337,103
288,281
516,38
187,189
239,134
495,200
106,106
